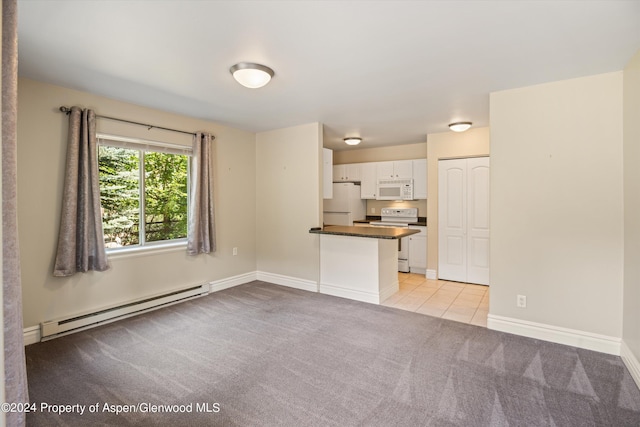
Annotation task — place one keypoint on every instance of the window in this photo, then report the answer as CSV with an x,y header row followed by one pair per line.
x,y
144,191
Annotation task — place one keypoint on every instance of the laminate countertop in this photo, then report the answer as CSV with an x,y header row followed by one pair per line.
x,y
368,232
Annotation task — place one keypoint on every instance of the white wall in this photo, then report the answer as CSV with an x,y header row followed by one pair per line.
x,y
631,322
288,204
557,204
42,135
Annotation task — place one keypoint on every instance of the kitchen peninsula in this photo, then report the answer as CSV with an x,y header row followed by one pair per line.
x,y
360,263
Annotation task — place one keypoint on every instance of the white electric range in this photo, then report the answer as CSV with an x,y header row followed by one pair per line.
x,y
398,217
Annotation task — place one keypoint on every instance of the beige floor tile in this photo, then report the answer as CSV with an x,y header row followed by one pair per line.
x,y
454,284
480,318
437,303
458,317
475,289
431,311
461,302
465,303
409,303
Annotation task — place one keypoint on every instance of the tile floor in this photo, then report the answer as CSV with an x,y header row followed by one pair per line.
x,y
461,302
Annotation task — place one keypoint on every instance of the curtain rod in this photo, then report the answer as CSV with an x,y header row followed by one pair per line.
x,y
67,111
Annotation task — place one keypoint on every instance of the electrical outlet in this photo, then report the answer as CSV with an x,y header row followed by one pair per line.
x,y
235,251
373,210
521,301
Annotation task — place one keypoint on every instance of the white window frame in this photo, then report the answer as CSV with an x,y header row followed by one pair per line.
x,y
144,145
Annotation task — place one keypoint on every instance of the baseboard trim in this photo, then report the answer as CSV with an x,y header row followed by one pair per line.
x,y
572,337
230,282
631,362
338,291
432,274
292,282
31,335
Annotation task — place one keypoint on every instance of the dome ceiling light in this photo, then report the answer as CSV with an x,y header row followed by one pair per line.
x,y
352,140
460,126
251,75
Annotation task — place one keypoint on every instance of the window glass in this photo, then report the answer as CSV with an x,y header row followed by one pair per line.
x,y
159,196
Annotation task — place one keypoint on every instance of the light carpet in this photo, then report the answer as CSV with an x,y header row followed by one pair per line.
x,y
266,355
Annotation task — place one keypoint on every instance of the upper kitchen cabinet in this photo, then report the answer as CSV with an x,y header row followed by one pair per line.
x,y
327,173
401,169
368,181
346,173
420,178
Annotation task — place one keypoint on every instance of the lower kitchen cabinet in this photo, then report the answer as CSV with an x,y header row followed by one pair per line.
x,y
418,250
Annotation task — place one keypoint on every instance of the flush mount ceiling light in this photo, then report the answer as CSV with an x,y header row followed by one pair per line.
x,y
251,75
352,140
460,126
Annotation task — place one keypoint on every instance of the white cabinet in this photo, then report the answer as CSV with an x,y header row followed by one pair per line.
x,y
420,179
346,173
418,250
327,173
401,169
368,181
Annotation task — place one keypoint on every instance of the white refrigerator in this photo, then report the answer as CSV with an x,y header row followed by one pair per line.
x,y
346,205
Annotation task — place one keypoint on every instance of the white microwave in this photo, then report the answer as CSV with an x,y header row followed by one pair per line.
x,y
395,189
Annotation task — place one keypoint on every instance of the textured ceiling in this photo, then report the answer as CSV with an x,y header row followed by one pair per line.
x,y
388,71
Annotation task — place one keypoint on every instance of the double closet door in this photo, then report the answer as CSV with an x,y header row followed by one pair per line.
x,y
463,220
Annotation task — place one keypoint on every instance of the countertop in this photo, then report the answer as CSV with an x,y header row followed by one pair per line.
x,y
369,232
422,220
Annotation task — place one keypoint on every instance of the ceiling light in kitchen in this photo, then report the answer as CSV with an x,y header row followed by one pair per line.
x,y
352,140
460,126
251,75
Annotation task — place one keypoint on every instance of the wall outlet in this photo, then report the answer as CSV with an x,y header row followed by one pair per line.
x,y
235,251
521,301
373,210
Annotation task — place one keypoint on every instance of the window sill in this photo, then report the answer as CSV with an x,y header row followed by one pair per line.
x,y
137,251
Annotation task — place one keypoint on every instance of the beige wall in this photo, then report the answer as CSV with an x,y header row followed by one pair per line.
x,y
288,181
381,154
374,206
631,321
447,145
42,133
557,203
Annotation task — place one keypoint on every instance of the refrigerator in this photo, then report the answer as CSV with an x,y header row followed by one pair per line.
x,y
346,205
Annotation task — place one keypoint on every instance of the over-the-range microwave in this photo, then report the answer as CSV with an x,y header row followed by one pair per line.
x,y
395,189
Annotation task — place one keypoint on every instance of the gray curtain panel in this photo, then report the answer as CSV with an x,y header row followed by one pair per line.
x,y
15,373
202,230
80,240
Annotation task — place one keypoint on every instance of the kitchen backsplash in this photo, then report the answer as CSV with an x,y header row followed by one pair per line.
x,y
379,204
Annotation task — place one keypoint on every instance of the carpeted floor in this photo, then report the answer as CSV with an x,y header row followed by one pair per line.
x,y
266,355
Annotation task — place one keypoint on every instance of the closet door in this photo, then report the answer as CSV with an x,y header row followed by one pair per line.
x,y
452,208
463,218
478,220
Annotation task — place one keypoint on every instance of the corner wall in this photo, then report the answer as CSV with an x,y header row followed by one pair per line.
x,y
631,314
288,203
557,210
42,136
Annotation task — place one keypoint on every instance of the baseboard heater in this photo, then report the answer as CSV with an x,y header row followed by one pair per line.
x,y
56,328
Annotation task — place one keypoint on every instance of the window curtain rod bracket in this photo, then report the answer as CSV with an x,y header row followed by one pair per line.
x,y
67,111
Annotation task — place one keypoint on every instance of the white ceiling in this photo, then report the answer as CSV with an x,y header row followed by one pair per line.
x,y
388,71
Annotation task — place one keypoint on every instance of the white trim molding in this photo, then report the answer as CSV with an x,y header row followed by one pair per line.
x,y
292,282
557,334
31,335
631,362
432,274
230,282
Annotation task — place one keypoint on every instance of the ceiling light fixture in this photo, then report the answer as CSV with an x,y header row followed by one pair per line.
x,y
251,75
352,140
460,126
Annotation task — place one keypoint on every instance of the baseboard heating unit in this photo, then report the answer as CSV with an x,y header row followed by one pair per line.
x,y
56,328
